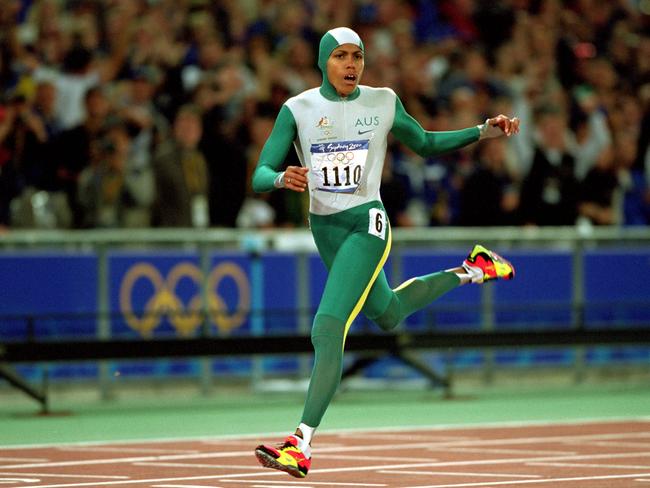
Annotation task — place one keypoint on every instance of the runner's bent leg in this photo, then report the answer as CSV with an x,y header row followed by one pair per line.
x,y
387,307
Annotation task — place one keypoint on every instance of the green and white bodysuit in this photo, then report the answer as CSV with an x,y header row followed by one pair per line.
x,y
343,140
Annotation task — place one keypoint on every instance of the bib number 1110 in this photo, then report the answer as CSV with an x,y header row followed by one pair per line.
x,y
341,176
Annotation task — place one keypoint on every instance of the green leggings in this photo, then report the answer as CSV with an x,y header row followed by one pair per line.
x,y
354,245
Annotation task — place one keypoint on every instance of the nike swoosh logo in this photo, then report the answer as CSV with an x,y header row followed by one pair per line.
x,y
361,132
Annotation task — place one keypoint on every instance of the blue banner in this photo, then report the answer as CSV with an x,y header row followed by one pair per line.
x,y
159,294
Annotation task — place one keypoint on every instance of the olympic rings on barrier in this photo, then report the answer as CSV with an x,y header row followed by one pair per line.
x,y
185,318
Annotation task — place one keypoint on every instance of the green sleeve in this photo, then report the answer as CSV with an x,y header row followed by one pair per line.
x,y
426,143
274,151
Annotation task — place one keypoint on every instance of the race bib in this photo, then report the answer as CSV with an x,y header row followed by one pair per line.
x,y
338,166
377,223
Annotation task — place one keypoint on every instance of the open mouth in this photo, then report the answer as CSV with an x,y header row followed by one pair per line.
x,y
350,77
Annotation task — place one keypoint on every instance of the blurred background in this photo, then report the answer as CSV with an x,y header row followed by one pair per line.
x,y
95,93
129,131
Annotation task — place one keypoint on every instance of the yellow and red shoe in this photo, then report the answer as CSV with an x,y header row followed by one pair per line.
x,y
485,265
288,457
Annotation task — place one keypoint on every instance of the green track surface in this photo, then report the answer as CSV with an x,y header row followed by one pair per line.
x,y
184,413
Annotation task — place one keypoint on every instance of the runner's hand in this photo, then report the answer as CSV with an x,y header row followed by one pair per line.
x,y
498,126
295,178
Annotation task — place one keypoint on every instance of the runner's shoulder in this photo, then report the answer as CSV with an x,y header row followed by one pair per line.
x,y
377,92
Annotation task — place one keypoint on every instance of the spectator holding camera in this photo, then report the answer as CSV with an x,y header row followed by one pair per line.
x,y
112,191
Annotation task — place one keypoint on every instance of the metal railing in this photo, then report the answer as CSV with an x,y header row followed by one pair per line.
x,y
283,238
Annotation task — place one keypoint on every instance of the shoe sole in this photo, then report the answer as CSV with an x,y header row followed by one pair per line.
x,y
269,461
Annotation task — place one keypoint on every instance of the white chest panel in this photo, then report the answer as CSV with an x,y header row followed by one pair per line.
x,y
343,143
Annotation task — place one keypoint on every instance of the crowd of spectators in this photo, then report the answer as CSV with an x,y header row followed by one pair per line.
x,y
137,113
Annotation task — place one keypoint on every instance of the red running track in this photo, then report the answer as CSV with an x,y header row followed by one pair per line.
x,y
613,454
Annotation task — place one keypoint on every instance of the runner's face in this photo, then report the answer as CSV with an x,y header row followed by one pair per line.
x,y
344,68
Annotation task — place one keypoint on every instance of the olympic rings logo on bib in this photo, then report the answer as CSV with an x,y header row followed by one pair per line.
x,y
338,166
340,156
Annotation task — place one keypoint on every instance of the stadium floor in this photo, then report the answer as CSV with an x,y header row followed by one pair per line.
x,y
604,454
592,435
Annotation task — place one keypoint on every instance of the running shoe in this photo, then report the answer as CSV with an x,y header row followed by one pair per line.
x,y
485,265
288,457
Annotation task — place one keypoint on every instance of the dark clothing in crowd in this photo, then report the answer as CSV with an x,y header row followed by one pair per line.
x,y
481,199
226,159
549,194
598,187
72,153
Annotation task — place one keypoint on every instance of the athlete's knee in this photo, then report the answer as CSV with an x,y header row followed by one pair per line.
x,y
327,330
390,317
387,321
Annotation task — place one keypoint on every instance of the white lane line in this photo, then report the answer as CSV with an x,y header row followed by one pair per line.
x,y
8,481
24,459
213,477
493,450
407,437
280,486
89,476
141,450
546,480
190,465
297,484
640,445
460,473
146,481
171,457
374,458
642,480
585,465
184,486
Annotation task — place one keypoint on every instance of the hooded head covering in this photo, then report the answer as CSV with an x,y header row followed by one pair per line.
x,y
331,40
